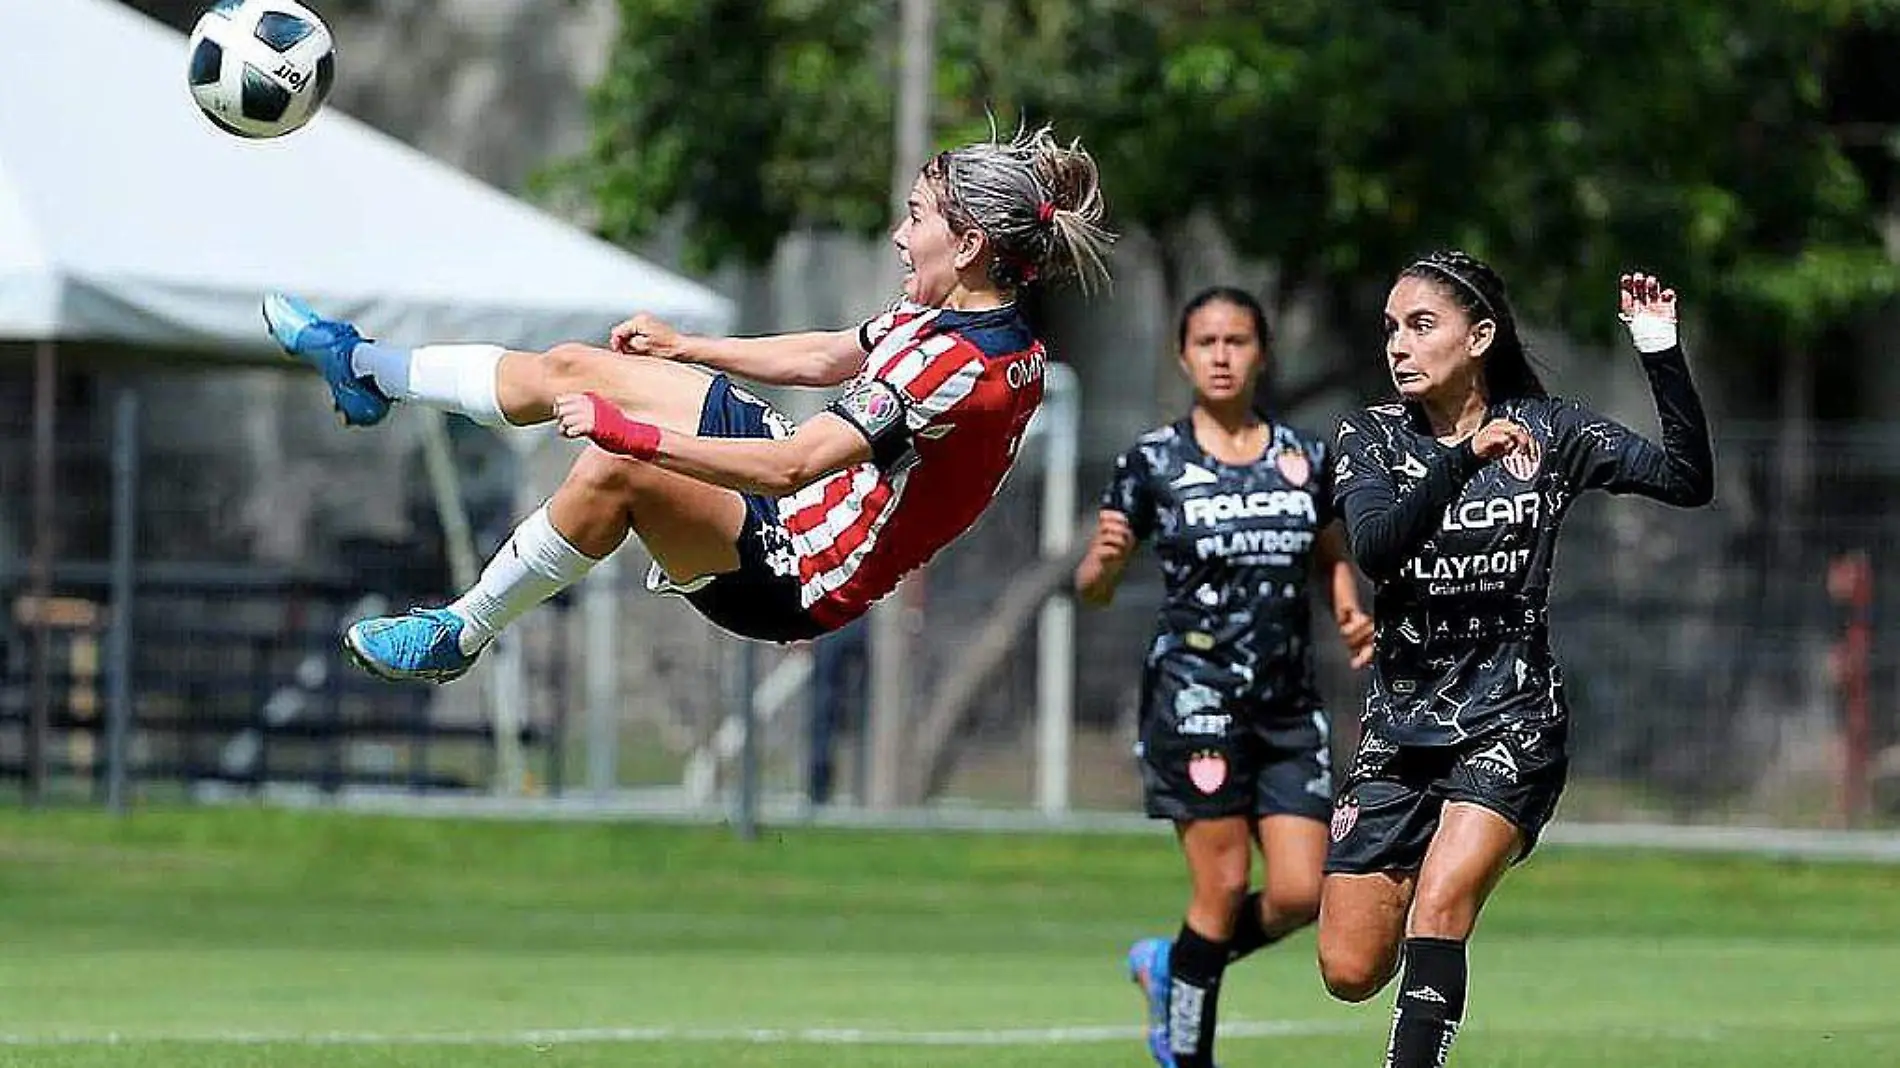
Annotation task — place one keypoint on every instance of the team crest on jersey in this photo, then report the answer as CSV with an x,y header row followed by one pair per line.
x,y
1207,770
1294,466
1345,818
1523,463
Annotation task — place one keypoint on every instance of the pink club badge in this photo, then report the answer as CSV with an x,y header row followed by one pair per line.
x,y
1207,771
1345,818
1294,467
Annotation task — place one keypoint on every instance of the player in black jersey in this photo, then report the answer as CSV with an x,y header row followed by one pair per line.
x,y
1452,500
1233,735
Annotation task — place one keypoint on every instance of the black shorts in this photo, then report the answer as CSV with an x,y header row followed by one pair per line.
x,y
1392,795
1204,757
761,599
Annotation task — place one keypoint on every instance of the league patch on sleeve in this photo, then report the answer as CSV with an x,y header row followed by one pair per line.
x,y
874,407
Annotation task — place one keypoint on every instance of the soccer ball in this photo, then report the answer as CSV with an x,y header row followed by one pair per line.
x,y
261,68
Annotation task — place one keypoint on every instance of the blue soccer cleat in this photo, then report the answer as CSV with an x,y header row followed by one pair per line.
x,y
1148,967
326,344
426,644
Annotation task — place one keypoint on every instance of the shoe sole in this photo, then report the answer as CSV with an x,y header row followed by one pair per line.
x,y
372,666
263,311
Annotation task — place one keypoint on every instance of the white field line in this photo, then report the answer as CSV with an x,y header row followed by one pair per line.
x,y
802,1036
668,805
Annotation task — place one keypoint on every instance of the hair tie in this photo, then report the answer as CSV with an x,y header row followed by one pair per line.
x,y
1046,212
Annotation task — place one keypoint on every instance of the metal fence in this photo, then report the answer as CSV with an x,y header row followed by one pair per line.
x,y
1716,674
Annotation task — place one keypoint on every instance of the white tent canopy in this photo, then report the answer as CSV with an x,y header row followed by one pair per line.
x,y
125,217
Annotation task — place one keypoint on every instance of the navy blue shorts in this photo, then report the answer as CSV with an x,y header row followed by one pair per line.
x,y
761,599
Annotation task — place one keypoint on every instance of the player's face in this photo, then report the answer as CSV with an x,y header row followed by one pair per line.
x,y
1222,356
1432,347
933,256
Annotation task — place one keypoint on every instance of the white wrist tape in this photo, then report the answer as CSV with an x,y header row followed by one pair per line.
x,y
1652,333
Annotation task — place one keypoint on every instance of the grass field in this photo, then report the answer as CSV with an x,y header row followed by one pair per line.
x,y
222,938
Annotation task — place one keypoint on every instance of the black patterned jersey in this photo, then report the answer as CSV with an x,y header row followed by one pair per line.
x,y
1235,543
1460,549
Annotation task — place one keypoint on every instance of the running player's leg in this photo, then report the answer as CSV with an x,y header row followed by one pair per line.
x,y
1499,793
1293,849
1381,827
1469,854
1198,772
1294,799
1361,927
1218,853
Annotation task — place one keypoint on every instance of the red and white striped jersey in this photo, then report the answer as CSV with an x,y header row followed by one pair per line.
x,y
970,382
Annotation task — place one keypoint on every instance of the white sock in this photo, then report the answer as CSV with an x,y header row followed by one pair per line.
x,y
385,365
456,378
534,564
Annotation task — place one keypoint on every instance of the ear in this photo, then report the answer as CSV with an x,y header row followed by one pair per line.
x,y
1481,336
971,244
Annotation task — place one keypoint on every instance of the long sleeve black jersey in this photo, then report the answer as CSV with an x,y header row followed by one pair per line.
x,y
1235,544
1460,549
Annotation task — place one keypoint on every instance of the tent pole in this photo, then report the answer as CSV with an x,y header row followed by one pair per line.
x,y
125,511
45,369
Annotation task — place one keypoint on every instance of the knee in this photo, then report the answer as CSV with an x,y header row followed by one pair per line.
x,y
1353,977
1292,907
608,478
1222,884
566,366
1439,912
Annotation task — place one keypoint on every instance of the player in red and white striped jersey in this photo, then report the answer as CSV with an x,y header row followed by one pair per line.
x,y
968,383
774,532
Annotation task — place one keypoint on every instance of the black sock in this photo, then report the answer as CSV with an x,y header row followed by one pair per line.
x,y
1249,934
1430,1005
1196,964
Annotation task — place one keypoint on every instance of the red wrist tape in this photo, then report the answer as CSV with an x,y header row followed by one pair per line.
x,y
616,433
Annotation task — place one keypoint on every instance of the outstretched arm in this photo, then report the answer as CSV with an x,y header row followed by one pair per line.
x,y
814,358
1681,471
774,467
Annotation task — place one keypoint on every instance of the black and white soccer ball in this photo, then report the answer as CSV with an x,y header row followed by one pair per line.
x,y
261,68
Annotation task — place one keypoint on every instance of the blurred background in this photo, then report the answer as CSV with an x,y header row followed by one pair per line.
x,y
184,531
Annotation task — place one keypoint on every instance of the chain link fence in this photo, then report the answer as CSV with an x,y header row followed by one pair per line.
x,y
1713,669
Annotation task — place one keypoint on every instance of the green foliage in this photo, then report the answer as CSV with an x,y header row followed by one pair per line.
x,y
1566,140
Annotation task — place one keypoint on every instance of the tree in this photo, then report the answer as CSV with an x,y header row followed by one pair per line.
x,y
1563,139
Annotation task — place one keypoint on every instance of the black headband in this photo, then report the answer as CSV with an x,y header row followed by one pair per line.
x,y
1470,287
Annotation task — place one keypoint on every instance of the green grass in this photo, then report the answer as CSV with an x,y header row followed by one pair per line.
x,y
197,924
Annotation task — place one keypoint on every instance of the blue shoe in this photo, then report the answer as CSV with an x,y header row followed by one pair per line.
x,y
326,344
1148,967
426,644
